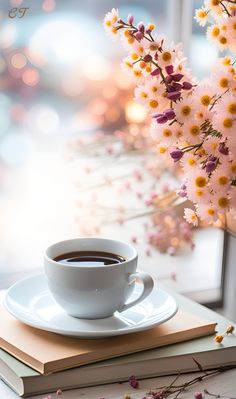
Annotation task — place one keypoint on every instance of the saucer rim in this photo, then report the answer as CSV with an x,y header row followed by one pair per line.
x,y
89,334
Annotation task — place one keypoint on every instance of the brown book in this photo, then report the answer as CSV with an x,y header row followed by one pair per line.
x,y
48,352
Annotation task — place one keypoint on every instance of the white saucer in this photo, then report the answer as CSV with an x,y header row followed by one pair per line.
x,y
30,301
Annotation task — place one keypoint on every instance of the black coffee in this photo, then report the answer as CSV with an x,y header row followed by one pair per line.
x,y
89,258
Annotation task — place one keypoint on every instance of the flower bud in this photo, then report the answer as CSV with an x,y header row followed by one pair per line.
x,y
169,79
155,72
161,119
130,19
169,69
210,166
169,113
187,86
223,149
141,27
177,86
147,58
177,77
176,154
174,96
198,395
139,36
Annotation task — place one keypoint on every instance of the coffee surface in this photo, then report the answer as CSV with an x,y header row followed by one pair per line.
x,y
89,258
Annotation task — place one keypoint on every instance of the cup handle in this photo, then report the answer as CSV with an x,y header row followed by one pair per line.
x,y
148,284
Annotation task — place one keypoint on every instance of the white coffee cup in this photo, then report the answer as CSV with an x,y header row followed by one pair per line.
x,y
94,292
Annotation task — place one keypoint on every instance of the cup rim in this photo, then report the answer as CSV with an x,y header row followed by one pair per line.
x,y
48,258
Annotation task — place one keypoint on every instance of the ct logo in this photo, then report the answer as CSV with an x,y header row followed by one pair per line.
x,y
17,12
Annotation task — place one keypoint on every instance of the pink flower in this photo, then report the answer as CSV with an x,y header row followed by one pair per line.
x,y
191,217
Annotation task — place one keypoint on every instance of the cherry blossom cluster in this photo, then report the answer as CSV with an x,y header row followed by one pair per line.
x,y
193,123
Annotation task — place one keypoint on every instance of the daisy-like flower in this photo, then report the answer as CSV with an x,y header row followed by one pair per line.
x,y
201,16
132,70
232,167
192,131
198,177
204,94
141,94
184,109
167,56
189,161
213,32
163,133
110,21
197,194
231,32
226,105
215,8
222,80
162,149
191,217
225,124
222,202
220,179
207,212
223,41
211,145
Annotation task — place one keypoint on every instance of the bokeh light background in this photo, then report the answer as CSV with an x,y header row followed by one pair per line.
x,y
60,78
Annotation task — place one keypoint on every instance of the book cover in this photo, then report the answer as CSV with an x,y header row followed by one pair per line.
x,y
48,352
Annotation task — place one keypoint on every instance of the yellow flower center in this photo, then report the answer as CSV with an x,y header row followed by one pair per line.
x,y
233,168
154,89
148,69
199,192
223,40
223,202
142,64
226,61
167,133
215,2
127,33
195,130
134,56
213,146
128,64
153,103
191,162
215,31
141,49
143,94
228,123
205,100
166,56
211,211
137,73
108,23
232,108
162,150
114,30
223,180
224,82
114,19
151,27
186,110
234,26
200,181
201,14
131,40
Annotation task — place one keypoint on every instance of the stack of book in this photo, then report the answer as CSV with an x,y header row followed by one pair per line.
x,y
36,362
